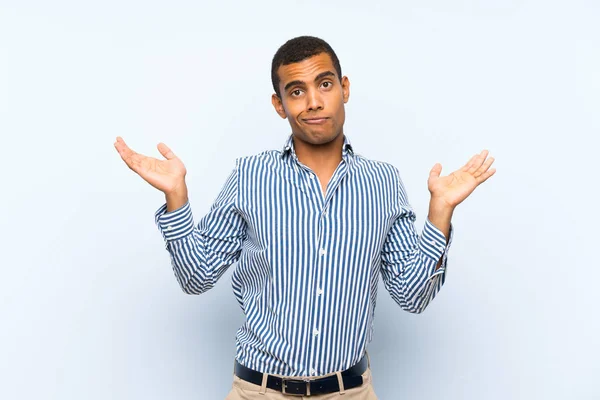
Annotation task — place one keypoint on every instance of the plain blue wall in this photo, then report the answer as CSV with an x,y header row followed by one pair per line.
x,y
90,306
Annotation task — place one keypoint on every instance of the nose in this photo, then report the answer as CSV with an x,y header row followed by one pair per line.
x,y
315,102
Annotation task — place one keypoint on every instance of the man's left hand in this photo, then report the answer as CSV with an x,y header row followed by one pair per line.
x,y
451,190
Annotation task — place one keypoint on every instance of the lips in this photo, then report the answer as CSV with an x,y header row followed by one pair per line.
x,y
315,121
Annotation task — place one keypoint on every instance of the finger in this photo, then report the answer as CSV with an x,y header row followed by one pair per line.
x,y
477,161
468,164
121,146
484,177
120,142
123,150
131,158
435,171
486,165
166,151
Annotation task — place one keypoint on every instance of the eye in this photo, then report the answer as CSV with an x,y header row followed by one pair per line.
x,y
296,92
327,84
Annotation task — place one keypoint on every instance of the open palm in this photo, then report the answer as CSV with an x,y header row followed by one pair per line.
x,y
165,175
454,188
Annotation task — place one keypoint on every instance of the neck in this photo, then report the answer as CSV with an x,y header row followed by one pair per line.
x,y
319,157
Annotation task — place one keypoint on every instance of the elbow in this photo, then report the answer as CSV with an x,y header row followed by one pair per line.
x,y
409,305
414,308
417,303
411,302
192,288
419,309
420,304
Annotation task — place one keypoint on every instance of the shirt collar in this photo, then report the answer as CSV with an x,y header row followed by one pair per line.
x,y
288,148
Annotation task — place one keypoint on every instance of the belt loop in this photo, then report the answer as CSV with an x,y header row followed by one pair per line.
x,y
263,387
340,382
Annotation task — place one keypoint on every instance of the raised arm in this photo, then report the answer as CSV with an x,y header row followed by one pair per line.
x,y
414,266
410,261
199,254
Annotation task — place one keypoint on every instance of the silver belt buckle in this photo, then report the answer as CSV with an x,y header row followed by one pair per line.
x,y
283,386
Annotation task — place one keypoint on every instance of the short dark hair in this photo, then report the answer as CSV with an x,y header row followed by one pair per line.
x,y
298,49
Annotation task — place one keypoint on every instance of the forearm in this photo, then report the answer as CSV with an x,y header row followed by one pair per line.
x,y
440,215
188,252
412,290
190,259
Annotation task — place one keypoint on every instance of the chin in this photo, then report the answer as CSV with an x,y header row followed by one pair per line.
x,y
317,138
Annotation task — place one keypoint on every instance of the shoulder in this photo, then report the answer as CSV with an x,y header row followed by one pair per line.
x,y
267,158
380,168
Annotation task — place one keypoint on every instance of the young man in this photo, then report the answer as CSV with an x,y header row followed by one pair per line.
x,y
311,228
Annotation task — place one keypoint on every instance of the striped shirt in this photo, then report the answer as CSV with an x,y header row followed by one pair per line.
x,y
308,263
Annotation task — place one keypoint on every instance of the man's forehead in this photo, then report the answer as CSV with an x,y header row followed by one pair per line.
x,y
308,68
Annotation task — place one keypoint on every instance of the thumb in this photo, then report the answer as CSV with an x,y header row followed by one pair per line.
x,y
435,171
166,151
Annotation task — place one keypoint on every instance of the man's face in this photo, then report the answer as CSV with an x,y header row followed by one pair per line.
x,y
312,99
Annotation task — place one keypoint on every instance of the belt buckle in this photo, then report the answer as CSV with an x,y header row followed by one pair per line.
x,y
284,385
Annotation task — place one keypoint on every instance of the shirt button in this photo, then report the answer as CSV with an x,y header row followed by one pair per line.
x,y
319,292
313,371
316,332
311,176
170,228
322,252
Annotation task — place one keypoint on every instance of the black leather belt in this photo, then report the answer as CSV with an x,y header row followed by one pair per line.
x,y
352,377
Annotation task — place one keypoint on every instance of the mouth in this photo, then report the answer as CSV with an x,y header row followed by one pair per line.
x,y
315,121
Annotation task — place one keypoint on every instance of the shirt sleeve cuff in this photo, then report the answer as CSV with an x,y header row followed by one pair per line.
x,y
433,244
175,224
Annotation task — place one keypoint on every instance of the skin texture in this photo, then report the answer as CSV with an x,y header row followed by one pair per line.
x,y
312,100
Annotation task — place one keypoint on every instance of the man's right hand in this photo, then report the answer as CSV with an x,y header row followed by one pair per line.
x,y
168,175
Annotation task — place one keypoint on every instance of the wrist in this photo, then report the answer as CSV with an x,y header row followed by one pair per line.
x,y
440,206
177,197
440,215
178,190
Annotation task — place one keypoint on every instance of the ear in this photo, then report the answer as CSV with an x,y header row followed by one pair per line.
x,y
346,88
278,105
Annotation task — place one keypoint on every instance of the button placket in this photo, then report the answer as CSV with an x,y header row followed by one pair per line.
x,y
319,276
313,186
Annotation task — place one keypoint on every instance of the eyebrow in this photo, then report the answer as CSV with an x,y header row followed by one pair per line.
x,y
317,78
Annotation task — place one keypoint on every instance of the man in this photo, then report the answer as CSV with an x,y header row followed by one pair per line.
x,y
311,228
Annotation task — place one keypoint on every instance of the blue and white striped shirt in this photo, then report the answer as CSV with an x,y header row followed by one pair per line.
x,y
308,264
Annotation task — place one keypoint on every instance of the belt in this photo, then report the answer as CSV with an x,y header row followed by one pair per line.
x,y
352,377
